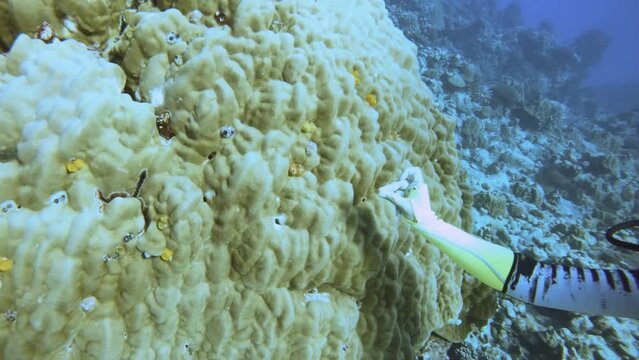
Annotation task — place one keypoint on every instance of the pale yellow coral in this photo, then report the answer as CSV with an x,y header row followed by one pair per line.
x,y
253,241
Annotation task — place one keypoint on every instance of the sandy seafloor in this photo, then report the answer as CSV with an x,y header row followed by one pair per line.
x,y
550,170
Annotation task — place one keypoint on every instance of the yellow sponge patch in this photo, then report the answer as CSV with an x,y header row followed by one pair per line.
x,y
5,264
74,165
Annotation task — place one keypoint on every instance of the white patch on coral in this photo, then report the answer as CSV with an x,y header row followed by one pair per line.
x,y
89,303
314,296
166,142
172,38
136,94
209,195
311,148
8,205
59,198
279,221
157,96
70,25
195,17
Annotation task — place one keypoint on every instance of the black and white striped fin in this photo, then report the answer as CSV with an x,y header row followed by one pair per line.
x,y
589,291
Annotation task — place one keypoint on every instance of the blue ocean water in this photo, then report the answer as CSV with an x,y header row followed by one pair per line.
x,y
615,78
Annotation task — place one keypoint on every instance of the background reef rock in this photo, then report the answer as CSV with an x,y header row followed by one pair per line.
x,y
551,169
196,179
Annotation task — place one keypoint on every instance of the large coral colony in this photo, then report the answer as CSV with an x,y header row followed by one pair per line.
x,y
196,179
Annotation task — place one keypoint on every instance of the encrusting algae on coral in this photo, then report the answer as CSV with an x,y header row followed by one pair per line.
x,y
162,222
167,255
6,264
308,127
371,99
74,165
356,77
295,170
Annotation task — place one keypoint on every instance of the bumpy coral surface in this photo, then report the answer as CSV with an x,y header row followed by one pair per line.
x,y
201,184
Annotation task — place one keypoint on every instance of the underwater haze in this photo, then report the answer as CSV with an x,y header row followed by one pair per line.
x,y
615,78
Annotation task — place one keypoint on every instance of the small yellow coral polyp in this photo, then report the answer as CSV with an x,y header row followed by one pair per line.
x,y
308,127
167,255
355,74
5,264
371,99
295,170
162,222
74,165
